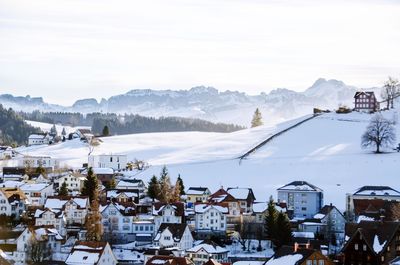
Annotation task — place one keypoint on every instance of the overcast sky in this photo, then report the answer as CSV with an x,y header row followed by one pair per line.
x,y
64,50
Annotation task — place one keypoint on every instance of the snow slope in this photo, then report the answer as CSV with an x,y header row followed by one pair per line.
x,y
45,127
324,151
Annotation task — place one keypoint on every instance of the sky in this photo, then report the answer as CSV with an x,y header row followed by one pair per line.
x,y
63,50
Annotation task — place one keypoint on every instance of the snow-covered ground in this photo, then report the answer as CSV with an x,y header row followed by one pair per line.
x,y
324,151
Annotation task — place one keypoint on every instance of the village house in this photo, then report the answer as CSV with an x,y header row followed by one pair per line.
x,y
132,184
38,161
174,236
143,230
39,138
197,194
369,193
201,253
245,197
117,220
298,255
122,196
115,161
87,252
84,134
14,173
371,242
365,102
13,202
104,175
210,218
6,152
171,213
303,199
223,198
75,208
51,217
37,193
375,210
74,182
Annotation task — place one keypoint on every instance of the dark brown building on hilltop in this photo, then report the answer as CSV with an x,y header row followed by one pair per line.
x,y
365,102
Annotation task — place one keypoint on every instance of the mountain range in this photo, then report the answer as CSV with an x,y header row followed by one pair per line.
x,y
205,102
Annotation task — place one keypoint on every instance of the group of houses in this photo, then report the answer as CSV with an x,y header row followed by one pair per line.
x,y
197,229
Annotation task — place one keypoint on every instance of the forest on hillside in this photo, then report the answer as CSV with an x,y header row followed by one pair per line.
x,y
13,129
129,123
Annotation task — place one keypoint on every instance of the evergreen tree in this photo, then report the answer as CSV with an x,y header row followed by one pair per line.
x,y
106,131
113,183
94,226
176,194
182,187
165,186
270,220
257,119
153,189
53,131
40,170
283,232
63,133
63,190
90,185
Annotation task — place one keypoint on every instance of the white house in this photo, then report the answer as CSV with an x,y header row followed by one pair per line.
x,y
37,193
38,161
98,253
171,213
12,202
201,253
38,139
51,217
143,230
132,184
74,182
6,152
49,236
333,220
174,235
114,161
75,208
117,219
210,217
245,197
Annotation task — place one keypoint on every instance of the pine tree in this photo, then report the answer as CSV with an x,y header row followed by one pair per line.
x,y
94,226
165,186
153,189
63,133
257,119
182,187
63,190
53,131
90,185
176,194
113,183
106,131
283,232
270,220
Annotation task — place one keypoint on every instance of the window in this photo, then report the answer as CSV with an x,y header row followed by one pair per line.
x,y
309,262
356,246
304,208
167,238
321,262
364,247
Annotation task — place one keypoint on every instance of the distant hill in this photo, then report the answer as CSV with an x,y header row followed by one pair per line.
x,y
206,103
13,129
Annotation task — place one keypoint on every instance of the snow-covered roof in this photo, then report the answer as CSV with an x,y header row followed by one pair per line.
x,y
319,216
239,193
11,184
300,186
377,191
103,171
130,184
36,136
285,260
197,190
82,257
34,187
41,233
211,249
116,193
364,218
378,246
303,234
202,208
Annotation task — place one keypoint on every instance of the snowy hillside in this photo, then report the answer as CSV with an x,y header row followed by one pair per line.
x,y
324,151
206,103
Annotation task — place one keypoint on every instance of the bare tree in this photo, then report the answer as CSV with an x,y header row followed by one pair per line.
x,y
380,133
38,250
389,91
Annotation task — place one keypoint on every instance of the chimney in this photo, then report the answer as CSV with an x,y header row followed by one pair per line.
x,y
296,246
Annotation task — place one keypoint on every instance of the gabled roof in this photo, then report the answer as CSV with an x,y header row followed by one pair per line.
x,y
241,193
203,207
300,186
376,208
197,190
376,234
114,193
86,252
377,191
126,209
208,246
212,262
221,196
286,255
325,211
58,202
367,93
168,260
13,194
179,208
176,230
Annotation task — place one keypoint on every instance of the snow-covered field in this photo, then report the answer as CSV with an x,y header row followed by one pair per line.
x,y
324,151
45,127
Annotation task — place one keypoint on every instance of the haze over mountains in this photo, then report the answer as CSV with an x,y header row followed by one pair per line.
x,y
205,102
